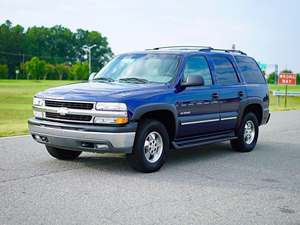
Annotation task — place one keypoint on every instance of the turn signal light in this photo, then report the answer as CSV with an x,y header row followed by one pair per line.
x,y
121,120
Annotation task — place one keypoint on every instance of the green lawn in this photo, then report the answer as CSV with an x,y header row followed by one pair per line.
x,y
292,102
16,103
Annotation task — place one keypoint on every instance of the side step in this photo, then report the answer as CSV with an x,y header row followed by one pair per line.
x,y
189,143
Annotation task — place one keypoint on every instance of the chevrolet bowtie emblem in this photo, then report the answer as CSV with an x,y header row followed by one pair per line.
x,y
62,111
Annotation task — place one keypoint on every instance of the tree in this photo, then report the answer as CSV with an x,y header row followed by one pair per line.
x,y
3,71
49,69
286,71
56,45
271,78
298,78
11,46
79,71
101,54
62,70
36,68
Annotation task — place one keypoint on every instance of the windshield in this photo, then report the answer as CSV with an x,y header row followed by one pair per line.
x,y
140,68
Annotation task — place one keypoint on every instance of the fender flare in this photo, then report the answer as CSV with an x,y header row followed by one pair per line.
x,y
246,103
141,110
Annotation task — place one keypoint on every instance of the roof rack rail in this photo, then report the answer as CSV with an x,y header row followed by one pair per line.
x,y
225,50
182,47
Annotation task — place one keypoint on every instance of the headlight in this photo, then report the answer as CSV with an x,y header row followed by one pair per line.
x,y
38,102
115,113
111,106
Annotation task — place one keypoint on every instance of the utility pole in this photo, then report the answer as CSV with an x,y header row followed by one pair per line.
x,y
88,49
23,67
276,73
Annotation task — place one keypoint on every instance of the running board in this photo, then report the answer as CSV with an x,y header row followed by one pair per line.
x,y
181,144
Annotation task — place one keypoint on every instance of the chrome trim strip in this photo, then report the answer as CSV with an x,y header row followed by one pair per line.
x,y
199,121
229,118
62,100
85,112
118,140
211,120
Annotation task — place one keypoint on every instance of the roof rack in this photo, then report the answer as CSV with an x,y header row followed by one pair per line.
x,y
198,48
225,50
182,47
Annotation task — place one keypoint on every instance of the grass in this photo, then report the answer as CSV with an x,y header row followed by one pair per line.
x,y
16,102
292,102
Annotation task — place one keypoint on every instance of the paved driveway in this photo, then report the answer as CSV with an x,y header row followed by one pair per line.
x,y
212,185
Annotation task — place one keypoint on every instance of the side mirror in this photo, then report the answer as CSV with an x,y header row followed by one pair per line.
x,y
193,81
92,75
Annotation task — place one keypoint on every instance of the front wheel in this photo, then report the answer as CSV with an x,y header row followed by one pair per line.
x,y
247,134
62,154
150,148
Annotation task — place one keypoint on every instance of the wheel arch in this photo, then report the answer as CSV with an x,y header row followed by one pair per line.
x,y
255,106
164,113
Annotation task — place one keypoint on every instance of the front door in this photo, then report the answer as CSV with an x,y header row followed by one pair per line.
x,y
197,107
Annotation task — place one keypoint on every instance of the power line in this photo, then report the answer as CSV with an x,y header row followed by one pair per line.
x,y
43,57
40,56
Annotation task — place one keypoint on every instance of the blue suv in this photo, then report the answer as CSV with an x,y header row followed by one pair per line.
x,y
145,103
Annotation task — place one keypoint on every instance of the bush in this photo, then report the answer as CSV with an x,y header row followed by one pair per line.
x,y
79,71
3,71
36,68
271,78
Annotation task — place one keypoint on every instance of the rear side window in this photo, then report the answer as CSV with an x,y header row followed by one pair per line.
x,y
198,66
250,70
225,72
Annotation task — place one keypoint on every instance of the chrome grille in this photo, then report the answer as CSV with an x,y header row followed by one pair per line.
x,y
83,118
69,105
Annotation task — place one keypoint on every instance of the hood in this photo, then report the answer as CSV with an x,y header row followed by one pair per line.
x,y
96,91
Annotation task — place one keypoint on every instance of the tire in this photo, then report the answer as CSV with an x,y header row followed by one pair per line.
x,y
246,142
150,148
62,154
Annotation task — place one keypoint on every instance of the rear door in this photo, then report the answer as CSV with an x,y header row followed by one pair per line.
x,y
231,90
197,107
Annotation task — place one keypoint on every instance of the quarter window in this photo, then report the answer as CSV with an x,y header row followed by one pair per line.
x,y
250,70
198,66
225,73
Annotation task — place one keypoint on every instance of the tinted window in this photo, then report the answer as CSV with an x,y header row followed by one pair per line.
x,y
197,66
225,72
250,70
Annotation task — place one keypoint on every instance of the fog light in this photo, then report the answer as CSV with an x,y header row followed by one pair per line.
x,y
37,137
38,114
102,146
44,139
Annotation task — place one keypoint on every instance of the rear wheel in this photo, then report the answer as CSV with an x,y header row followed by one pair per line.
x,y
150,148
62,154
247,134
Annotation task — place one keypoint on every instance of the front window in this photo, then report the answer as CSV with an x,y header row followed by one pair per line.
x,y
198,66
140,68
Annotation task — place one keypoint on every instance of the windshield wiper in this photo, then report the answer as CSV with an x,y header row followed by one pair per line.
x,y
107,79
134,80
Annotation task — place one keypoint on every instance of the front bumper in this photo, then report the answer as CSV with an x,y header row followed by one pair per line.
x,y
79,137
266,116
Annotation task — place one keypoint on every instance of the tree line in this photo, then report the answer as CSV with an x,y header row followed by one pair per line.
x,y
49,52
272,79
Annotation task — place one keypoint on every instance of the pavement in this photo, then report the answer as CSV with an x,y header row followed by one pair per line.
x,y
210,185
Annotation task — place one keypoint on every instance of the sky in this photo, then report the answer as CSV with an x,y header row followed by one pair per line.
x,y
269,31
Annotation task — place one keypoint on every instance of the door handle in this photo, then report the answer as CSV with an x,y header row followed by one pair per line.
x,y
241,93
215,96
